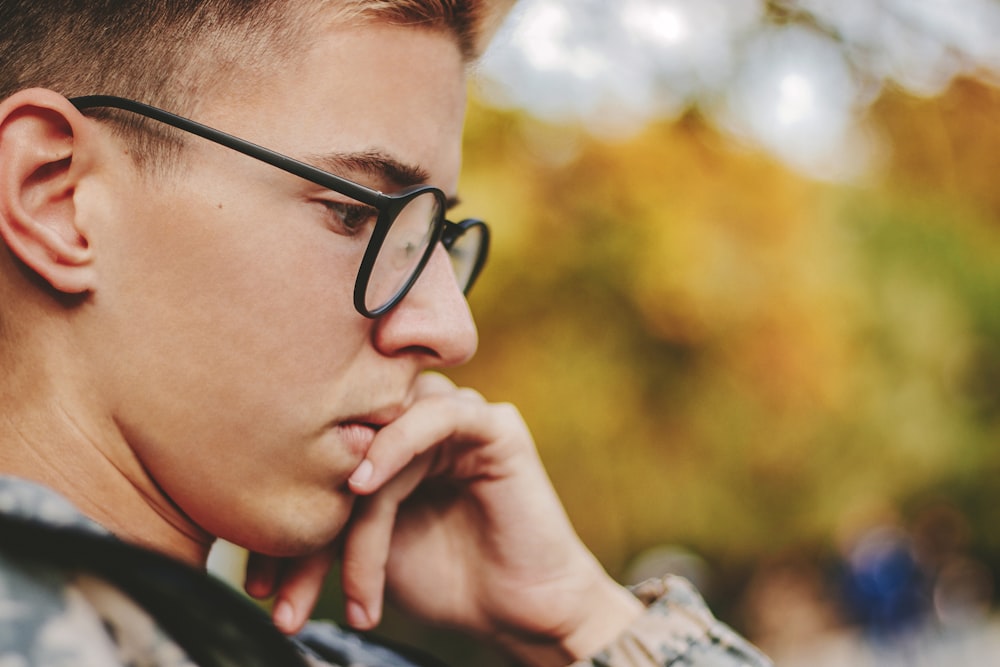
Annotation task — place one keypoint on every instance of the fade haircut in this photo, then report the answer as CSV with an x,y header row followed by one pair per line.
x,y
171,53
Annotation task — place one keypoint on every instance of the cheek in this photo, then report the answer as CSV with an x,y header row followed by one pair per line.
x,y
225,336
228,308
246,274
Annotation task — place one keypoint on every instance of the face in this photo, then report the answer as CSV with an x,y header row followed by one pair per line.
x,y
238,370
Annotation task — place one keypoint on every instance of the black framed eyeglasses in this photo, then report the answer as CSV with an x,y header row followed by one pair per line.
x,y
408,227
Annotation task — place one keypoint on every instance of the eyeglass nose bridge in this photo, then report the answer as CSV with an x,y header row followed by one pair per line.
x,y
456,230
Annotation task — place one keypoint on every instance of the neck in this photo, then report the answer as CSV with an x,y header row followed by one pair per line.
x,y
56,430
88,461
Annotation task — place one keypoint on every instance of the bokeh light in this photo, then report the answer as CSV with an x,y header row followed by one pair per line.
x,y
791,76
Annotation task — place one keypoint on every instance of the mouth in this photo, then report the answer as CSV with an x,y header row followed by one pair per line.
x,y
377,418
359,424
357,435
359,431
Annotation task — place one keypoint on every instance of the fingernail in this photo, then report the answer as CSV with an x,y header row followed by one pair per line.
x,y
284,616
362,474
356,616
260,584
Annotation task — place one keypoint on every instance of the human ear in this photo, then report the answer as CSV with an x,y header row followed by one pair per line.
x,y
41,164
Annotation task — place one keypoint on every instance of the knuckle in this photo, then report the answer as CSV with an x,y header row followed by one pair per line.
x,y
507,412
469,394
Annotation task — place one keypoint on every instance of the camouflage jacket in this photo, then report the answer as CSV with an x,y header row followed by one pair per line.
x,y
71,595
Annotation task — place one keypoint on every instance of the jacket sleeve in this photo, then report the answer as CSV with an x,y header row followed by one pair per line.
x,y
677,629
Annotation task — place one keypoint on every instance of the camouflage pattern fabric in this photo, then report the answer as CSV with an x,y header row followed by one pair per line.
x,y
676,630
72,595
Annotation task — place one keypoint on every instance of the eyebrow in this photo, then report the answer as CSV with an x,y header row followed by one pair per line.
x,y
379,165
373,163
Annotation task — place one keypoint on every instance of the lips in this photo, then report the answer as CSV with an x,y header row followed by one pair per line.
x,y
359,432
358,436
377,418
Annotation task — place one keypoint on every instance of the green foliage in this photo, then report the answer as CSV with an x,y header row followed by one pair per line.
x,y
714,352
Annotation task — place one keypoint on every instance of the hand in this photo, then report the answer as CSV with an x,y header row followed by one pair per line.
x,y
458,519
295,583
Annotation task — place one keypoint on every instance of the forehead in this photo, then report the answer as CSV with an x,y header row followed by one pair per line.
x,y
394,90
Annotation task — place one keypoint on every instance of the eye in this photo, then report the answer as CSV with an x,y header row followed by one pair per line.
x,y
350,219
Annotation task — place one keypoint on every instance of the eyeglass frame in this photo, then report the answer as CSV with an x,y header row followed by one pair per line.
x,y
388,205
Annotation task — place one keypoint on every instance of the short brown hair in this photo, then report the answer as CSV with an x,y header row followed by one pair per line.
x,y
140,48
168,53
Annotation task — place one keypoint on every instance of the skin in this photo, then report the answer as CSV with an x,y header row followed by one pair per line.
x,y
216,380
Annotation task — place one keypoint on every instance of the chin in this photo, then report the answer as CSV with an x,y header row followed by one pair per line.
x,y
290,534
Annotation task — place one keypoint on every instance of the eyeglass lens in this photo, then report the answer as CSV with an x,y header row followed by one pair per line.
x,y
403,249
464,254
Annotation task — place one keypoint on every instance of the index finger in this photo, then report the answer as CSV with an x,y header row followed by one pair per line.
x,y
461,418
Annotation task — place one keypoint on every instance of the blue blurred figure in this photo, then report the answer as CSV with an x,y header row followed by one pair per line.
x,y
885,589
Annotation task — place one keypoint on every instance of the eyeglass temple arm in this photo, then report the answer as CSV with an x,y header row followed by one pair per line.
x,y
250,149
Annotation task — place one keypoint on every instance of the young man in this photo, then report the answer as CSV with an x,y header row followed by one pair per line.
x,y
203,338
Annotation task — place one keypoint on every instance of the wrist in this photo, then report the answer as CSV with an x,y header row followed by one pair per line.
x,y
604,613
611,614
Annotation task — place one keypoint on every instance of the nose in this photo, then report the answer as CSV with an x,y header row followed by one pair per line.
x,y
432,322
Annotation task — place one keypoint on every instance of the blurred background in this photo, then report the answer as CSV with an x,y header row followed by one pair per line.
x,y
745,289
